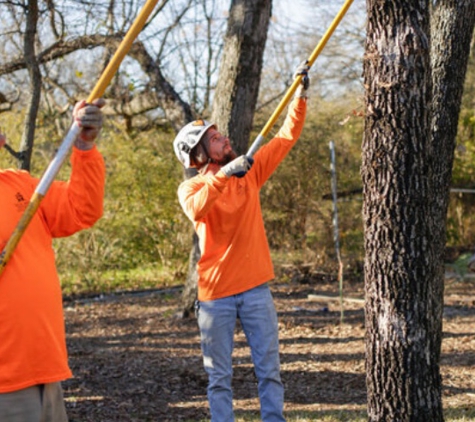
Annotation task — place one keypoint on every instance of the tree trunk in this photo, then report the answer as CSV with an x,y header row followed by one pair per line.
x,y
452,23
236,94
402,305
190,291
28,137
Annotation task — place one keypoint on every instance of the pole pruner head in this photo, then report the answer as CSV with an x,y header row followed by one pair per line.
x,y
188,138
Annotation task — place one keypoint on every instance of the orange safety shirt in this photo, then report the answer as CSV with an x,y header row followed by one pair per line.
x,y
226,215
32,334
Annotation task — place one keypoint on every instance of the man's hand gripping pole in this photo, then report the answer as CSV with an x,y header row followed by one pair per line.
x,y
291,91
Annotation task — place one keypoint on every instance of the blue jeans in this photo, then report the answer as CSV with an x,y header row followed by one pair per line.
x,y
217,321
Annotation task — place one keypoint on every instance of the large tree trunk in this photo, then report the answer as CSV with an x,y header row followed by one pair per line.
x,y
407,167
236,94
402,306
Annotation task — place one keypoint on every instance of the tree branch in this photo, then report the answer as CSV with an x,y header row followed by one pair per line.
x,y
17,155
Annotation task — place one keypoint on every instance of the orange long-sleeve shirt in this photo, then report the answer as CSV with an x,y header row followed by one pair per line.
x,y
32,335
226,214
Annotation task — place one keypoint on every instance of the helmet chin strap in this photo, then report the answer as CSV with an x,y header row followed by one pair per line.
x,y
204,144
204,168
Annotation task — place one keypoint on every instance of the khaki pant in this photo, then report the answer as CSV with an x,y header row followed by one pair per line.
x,y
40,403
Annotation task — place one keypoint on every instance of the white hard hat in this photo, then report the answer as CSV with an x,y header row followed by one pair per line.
x,y
188,137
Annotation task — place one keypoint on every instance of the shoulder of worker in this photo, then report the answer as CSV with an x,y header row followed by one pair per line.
x,y
16,174
218,180
17,179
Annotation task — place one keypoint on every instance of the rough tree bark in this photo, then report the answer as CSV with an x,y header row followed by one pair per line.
x,y
409,137
403,379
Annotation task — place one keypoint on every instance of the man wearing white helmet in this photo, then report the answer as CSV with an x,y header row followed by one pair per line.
x,y
222,201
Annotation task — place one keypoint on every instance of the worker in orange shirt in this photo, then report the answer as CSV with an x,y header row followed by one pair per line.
x,y
33,355
222,201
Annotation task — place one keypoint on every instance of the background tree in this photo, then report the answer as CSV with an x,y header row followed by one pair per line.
x,y
237,89
29,43
404,231
452,25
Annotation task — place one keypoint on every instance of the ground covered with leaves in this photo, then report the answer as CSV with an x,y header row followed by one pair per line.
x,y
134,360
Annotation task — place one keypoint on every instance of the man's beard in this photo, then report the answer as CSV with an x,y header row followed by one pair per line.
x,y
230,156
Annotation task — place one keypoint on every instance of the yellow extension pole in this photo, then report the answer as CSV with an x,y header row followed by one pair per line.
x,y
290,92
58,160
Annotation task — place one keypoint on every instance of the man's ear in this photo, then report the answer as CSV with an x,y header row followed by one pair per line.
x,y
198,156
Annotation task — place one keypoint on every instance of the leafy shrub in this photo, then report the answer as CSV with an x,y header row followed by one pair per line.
x,y
143,224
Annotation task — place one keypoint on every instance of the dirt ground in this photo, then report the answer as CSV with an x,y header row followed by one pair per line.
x,y
133,360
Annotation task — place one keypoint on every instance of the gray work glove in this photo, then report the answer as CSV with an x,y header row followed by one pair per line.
x,y
238,167
89,119
302,69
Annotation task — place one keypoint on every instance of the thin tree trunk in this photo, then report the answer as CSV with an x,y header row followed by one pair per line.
x,y
190,290
27,141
